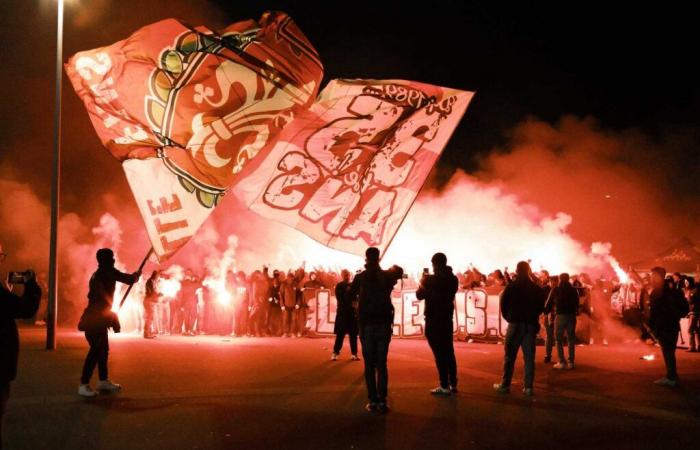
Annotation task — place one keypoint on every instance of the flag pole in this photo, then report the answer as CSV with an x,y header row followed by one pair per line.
x,y
143,263
55,185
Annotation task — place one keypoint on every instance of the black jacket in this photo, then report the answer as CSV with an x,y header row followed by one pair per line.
x,y
102,285
668,307
373,288
14,307
98,315
522,301
439,291
563,299
346,315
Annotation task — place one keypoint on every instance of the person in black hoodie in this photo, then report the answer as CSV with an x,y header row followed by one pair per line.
x,y
667,308
438,291
98,318
549,319
13,306
694,318
565,301
376,317
522,302
345,318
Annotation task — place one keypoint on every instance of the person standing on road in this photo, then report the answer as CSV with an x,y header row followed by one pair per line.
x,y
549,319
13,306
438,291
98,318
522,302
668,307
373,288
565,299
345,318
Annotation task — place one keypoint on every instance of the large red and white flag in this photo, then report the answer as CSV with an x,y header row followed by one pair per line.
x,y
186,109
347,170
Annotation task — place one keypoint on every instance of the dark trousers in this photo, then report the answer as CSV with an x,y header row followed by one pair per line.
x,y
694,331
340,337
289,321
301,316
439,335
549,335
375,348
274,321
520,335
190,315
240,321
96,356
4,397
668,340
566,323
149,313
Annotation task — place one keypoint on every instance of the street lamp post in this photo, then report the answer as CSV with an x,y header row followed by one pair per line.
x,y
55,191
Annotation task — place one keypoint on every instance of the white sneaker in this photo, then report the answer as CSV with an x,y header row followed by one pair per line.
x,y
355,358
605,342
591,342
561,366
666,382
528,392
571,366
501,388
334,357
84,390
440,391
107,385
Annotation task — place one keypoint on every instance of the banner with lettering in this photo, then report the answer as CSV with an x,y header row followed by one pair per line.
x,y
346,171
186,109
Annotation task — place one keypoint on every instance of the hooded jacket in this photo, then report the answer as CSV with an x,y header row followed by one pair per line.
x,y
439,291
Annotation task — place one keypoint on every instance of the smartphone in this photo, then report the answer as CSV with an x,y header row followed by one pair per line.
x,y
17,277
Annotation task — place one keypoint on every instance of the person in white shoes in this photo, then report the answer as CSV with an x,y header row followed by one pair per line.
x,y
98,318
438,290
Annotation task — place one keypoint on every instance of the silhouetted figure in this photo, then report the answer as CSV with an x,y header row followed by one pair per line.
x,y
13,306
345,317
376,317
274,314
566,301
549,319
98,318
438,291
290,304
694,317
241,305
667,308
259,303
188,296
522,302
150,304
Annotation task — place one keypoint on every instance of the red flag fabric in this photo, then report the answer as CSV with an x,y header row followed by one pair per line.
x,y
347,170
186,109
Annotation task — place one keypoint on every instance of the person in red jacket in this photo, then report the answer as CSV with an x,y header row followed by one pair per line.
x,y
13,306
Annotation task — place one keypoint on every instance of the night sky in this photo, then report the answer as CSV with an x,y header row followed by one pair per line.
x,y
628,65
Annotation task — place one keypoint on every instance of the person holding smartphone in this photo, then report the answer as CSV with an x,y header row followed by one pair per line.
x,y
438,291
13,306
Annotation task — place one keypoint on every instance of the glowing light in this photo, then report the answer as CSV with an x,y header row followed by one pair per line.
x,y
648,357
218,285
169,287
